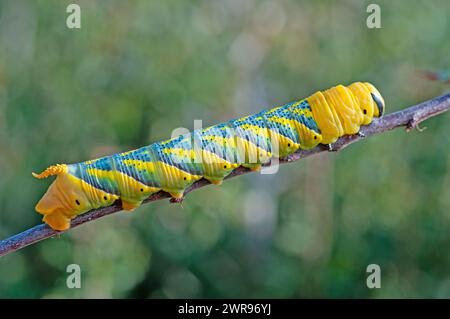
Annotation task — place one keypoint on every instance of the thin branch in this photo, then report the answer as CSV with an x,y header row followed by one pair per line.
x,y
409,118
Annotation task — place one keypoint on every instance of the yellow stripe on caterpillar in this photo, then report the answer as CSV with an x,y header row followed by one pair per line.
x,y
130,189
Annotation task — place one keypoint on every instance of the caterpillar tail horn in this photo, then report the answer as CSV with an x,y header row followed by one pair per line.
x,y
52,170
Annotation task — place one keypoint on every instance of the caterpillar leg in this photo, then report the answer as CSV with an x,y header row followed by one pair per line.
x,y
215,181
361,134
130,205
253,167
176,195
256,168
57,221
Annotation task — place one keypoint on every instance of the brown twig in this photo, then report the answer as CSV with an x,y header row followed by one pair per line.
x,y
410,118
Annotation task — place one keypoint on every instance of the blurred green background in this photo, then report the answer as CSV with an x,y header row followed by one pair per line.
x,y
138,69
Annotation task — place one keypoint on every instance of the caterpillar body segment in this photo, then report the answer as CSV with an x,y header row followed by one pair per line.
x,y
211,153
218,152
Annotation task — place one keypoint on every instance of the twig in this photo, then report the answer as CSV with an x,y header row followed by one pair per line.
x,y
410,118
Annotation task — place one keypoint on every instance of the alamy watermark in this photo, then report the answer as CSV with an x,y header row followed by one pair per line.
x,y
374,278
373,21
73,20
74,278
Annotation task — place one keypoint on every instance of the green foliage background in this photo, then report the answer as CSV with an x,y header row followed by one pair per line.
x,y
138,69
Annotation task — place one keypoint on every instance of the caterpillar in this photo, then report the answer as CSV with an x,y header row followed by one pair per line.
x,y
210,153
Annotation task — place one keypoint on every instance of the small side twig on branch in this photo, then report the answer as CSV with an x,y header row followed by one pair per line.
x,y
409,118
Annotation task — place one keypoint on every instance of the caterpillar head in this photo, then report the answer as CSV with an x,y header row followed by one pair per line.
x,y
369,100
377,98
64,198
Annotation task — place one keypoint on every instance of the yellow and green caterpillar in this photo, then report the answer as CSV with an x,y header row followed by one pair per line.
x,y
210,153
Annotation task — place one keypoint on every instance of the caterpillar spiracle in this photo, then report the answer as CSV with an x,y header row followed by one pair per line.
x,y
210,153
